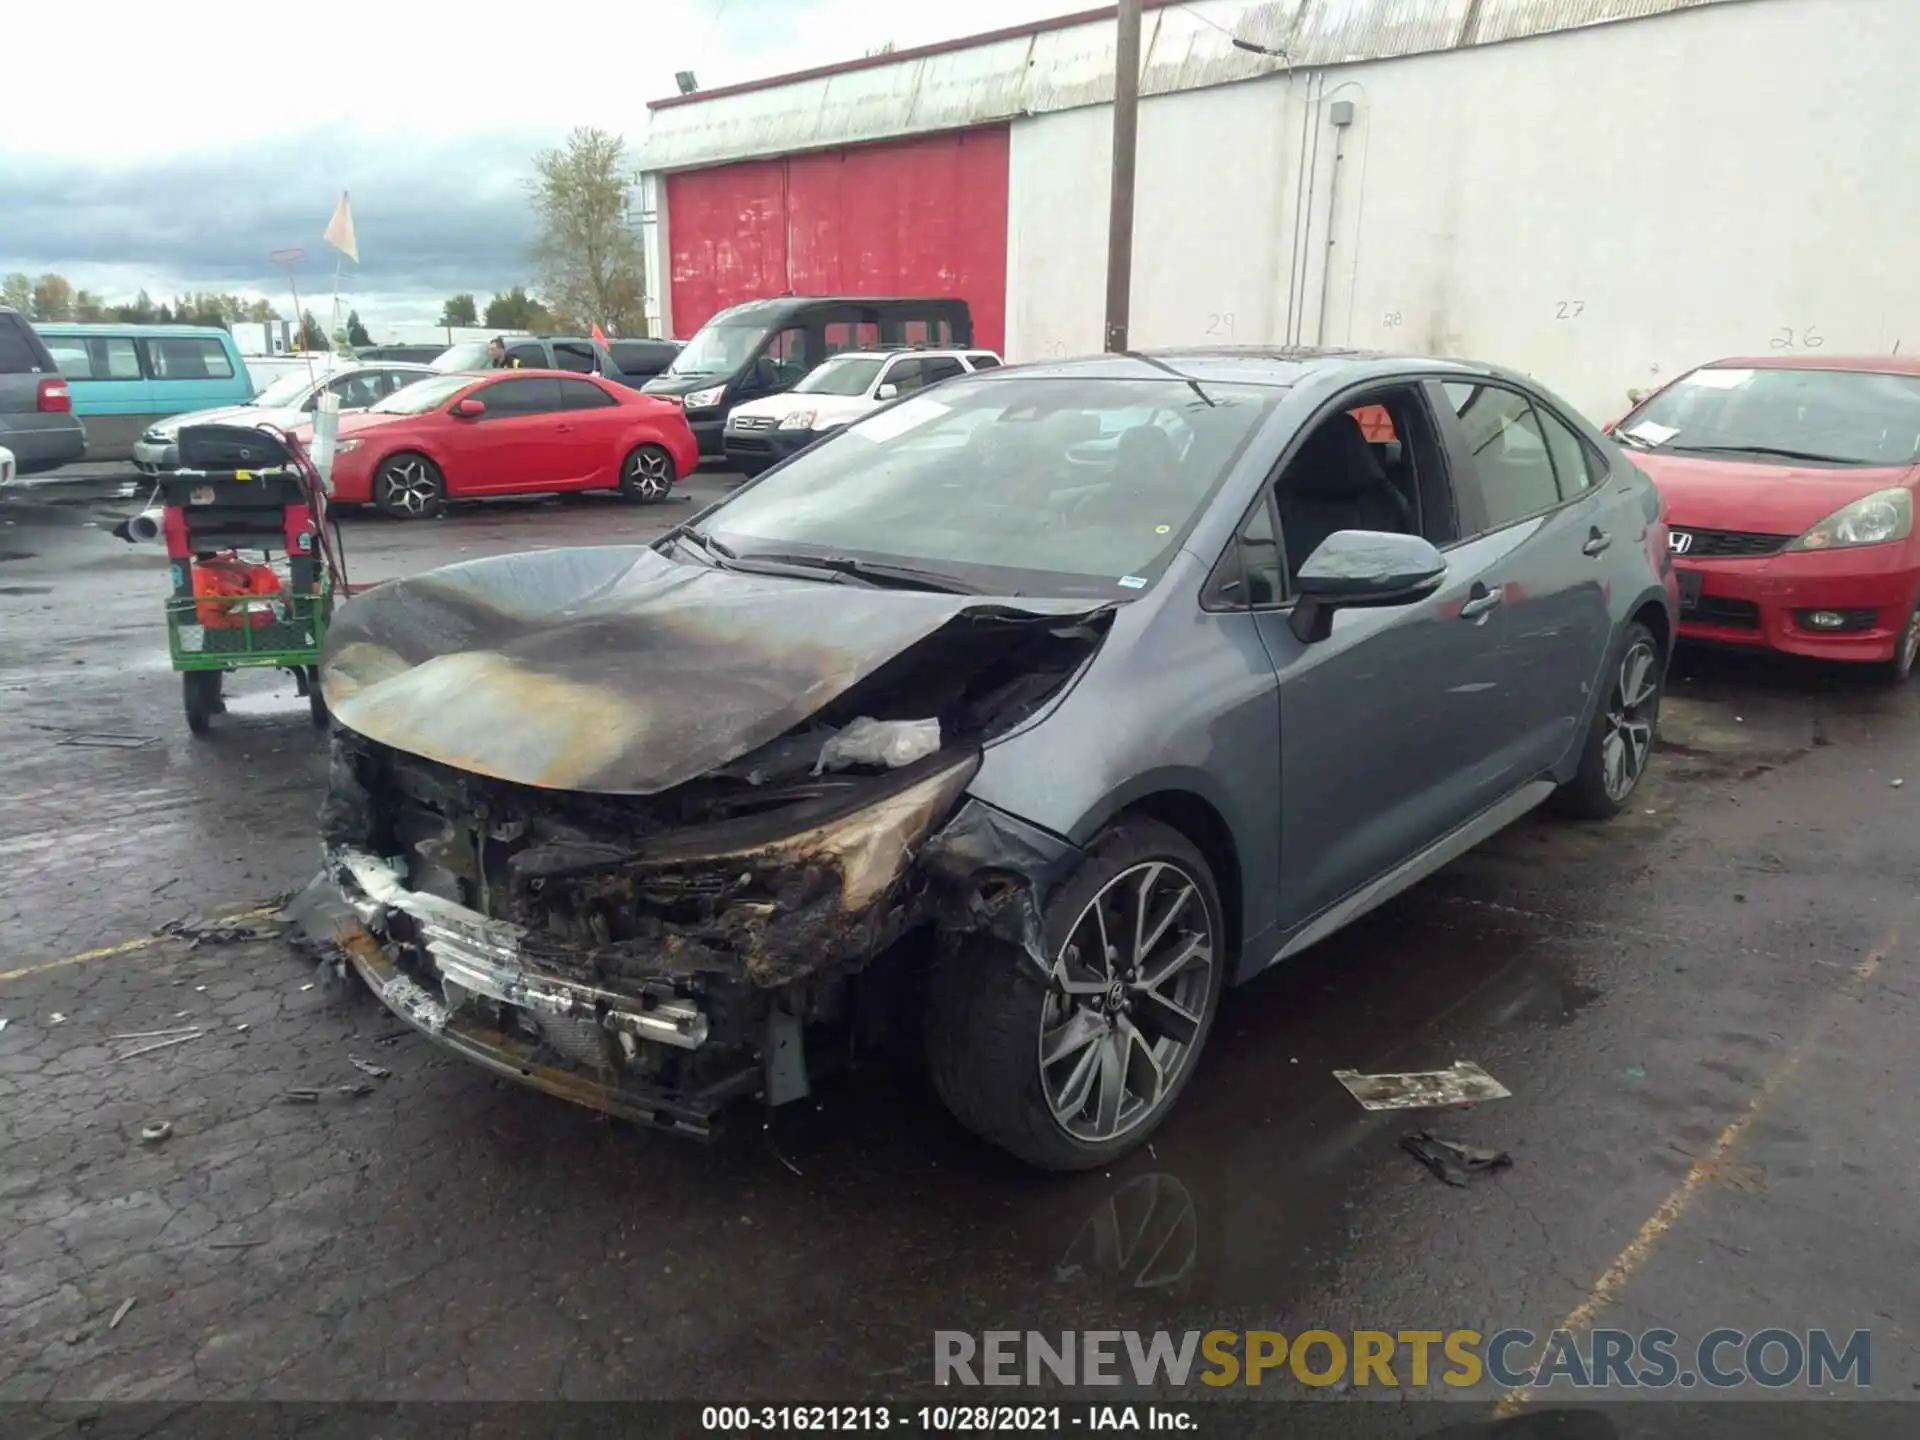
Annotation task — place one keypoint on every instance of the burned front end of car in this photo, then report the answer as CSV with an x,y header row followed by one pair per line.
x,y
657,955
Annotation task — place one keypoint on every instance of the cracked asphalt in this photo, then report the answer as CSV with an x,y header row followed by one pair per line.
x,y
1704,1011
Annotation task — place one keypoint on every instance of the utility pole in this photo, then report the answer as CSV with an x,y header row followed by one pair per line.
x,y
1126,120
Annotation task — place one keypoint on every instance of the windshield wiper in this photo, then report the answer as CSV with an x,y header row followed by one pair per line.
x,y
1810,455
1632,441
1192,384
718,551
872,571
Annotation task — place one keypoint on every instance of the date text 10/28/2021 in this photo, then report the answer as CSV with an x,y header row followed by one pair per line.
x,y
944,1419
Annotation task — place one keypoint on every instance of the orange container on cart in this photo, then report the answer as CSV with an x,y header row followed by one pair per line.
x,y
220,584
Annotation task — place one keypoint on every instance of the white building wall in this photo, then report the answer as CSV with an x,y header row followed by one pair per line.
x,y
1598,208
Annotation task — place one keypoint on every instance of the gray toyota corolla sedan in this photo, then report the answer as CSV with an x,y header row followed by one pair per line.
x,y
1022,719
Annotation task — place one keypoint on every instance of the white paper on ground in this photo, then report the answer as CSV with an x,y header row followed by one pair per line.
x,y
1462,1083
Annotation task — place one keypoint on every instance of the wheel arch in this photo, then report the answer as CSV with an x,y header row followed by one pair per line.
x,y
1202,823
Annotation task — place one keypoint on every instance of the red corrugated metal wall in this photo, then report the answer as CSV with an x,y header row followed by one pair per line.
x,y
926,216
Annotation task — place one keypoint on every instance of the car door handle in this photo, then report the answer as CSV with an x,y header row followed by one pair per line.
x,y
1597,540
1481,601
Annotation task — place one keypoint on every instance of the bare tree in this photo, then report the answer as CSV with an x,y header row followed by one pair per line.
x,y
17,291
590,265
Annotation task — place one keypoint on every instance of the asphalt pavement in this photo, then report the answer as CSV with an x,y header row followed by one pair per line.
x,y
1704,1011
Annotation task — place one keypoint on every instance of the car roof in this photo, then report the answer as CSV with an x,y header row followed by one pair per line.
x,y
1278,366
887,352
1862,364
108,327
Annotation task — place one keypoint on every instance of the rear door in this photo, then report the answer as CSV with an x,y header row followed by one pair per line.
x,y
591,431
24,363
191,372
1530,490
515,446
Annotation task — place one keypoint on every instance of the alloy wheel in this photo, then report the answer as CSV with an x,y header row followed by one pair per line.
x,y
649,474
410,486
1628,740
1909,644
1126,1001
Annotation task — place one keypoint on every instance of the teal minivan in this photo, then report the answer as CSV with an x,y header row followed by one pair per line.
x,y
124,377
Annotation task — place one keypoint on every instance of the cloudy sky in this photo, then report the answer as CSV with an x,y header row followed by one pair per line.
x,y
179,143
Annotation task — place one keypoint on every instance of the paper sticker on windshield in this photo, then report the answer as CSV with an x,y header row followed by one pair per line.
x,y
1652,434
899,419
1718,379
1132,582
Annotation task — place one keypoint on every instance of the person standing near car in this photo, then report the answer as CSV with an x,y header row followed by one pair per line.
x,y
497,352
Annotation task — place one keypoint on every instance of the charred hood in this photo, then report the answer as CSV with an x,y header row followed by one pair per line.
x,y
617,670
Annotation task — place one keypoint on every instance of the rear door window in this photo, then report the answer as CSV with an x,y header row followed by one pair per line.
x,y
1508,449
936,368
1573,465
71,355
186,357
985,362
575,355
531,357
19,354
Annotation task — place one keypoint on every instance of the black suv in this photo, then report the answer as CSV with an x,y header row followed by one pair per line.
x,y
37,422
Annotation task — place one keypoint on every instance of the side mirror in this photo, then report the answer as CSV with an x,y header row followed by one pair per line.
x,y
1363,569
886,391
470,408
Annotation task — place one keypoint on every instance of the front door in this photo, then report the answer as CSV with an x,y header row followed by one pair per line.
x,y
1391,728
516,445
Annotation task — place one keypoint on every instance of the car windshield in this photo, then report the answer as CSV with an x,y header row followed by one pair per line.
x,y
717,350
287,393
842,375
1038,486
422,395
469,355
1836,417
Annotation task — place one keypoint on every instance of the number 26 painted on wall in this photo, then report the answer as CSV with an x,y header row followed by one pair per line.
x,y
1787,338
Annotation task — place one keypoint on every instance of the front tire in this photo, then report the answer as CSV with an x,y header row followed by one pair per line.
x,y
1620,741
1072,1070
200,695
647,474
409,487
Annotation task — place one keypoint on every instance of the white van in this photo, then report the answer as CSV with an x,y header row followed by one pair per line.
x,y
834,393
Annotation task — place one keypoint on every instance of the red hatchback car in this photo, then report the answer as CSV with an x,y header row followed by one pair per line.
x,y
519,432
1789,487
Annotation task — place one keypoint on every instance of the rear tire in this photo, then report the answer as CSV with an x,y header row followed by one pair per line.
x,y
200,693
409,486
1124,1028
1905,651
316,702
647,474
1620,741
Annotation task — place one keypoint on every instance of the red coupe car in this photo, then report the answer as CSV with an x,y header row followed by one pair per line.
x,y
519,432
1789,485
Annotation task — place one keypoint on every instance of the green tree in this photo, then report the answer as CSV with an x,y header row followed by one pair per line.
x,y
88,308
312,336
590,265
17,291
460,310
260,312
517,310
356,332
52,298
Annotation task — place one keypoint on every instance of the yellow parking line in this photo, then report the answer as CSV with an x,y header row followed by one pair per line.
x,y
125,947
1703,1169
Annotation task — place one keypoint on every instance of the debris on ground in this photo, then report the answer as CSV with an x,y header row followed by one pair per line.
x,y
159,1045
156,1034
1452,1161
233,1244
4,1022
367,1067
104,740
220,930
1897,784
1462,1083
302,1096
121,1313
154,1131
355,1091
56,1018
387,1037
